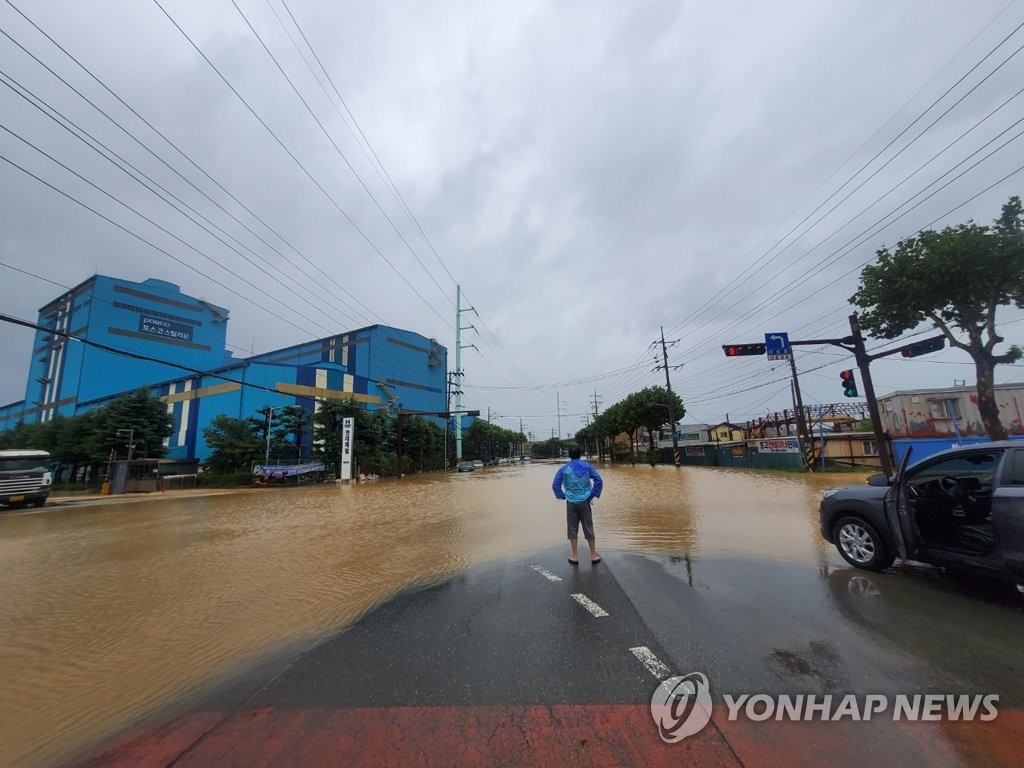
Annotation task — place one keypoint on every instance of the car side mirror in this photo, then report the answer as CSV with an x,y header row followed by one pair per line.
x,y
879,480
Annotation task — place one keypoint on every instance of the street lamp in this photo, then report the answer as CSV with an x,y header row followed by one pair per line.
x,y
270,420
131,440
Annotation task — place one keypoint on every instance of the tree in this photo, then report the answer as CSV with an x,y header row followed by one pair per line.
x,y
233,443
141,418
956,278
291,424
649,408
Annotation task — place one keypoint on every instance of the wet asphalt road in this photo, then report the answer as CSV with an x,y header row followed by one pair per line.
x,y
502,665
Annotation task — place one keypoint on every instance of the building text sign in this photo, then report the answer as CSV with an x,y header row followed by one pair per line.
x,y
779,445
347,430
156,326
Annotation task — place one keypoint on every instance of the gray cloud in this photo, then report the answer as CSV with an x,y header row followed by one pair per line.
x,y
588,172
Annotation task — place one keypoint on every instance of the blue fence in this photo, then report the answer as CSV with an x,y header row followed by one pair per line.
x,y
923,447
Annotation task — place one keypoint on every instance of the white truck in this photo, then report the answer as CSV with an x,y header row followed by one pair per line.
x,y
25,477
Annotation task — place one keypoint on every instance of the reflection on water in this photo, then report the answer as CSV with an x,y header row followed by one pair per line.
x,y
111,611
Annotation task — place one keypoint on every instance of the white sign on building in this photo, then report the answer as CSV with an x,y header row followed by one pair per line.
x,y
779,445
347,435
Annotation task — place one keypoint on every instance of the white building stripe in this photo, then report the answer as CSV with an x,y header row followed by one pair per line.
x,y
651,662
183,427
546,573
171,389
590,605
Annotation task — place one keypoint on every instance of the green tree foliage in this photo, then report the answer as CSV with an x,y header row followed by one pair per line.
x,y
956,279
279,445
552,448
644,410
373,448
422,445
292,426
91,438
484,440
235,445
137,418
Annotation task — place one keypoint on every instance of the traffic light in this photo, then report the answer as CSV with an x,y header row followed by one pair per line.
x,y
924,347
849,383
738,350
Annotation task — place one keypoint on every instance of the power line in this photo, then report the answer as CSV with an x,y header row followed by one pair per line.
x,y
765,257
32,99
299,163
337,148
171,144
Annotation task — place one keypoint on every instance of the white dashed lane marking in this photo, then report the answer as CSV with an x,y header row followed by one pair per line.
x,y
651,662
546,573
590,605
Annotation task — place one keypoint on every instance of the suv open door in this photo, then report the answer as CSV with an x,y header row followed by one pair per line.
x,y
897,513
1008,512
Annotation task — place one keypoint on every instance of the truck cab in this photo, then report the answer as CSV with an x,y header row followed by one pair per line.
x,y
25,477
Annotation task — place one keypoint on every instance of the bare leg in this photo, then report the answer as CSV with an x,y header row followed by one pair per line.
x,y
593,550
572,544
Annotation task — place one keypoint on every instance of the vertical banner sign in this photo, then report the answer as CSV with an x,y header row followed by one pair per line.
x,y
347,429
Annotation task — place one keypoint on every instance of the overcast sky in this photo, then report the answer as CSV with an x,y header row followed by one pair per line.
x,y
588,172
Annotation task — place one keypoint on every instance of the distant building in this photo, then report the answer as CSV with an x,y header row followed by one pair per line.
x,y
949,412
726,432
686,434
179,344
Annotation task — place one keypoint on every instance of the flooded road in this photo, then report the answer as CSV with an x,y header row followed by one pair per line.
x,y
111,612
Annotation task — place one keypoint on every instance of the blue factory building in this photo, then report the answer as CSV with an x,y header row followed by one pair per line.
x,y
194,373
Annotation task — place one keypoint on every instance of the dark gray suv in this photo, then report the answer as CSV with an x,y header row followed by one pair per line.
x,y
962,508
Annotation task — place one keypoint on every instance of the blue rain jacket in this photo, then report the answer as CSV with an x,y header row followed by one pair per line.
x,y
573,481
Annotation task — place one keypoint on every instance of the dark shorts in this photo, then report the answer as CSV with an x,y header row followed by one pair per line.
x,y
577,512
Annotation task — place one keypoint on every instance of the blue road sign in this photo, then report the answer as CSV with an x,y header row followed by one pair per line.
x,y
777,344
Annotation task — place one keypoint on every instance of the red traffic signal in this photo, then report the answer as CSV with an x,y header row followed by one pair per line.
x,y
924,347
739,350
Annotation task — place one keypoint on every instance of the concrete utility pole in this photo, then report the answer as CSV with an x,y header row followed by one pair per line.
x,y
855,343
671,405
801,420
558,408
459,328
595,400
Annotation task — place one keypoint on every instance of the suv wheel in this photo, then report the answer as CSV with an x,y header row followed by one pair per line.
x,y
861,545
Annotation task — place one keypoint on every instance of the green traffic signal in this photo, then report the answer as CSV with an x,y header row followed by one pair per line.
x,y
849,383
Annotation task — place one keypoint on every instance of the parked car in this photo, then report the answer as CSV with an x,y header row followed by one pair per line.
x,y
477,464
466,466
962,509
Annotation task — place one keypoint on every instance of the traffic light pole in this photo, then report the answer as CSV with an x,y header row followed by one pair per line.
x,y
853,343
864,364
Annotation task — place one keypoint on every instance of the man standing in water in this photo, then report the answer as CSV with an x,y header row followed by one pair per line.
x,y
573,483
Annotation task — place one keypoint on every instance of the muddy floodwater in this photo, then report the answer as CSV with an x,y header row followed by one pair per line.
x,y
111,612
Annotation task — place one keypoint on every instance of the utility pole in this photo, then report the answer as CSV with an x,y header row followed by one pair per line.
x,y
853,343
864,363
558,408
671,405
459,328
801,420
595,400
